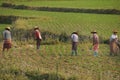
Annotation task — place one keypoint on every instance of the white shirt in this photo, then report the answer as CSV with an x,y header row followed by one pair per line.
x,y
113,37
74,37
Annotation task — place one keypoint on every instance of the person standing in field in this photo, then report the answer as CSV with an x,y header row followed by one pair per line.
x,y
95,43
7,39
113,43
38,37
75,39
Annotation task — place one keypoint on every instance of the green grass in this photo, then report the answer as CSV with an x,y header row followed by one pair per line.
x,y
23,60
15,12
68,22
58,22
92,4
2,26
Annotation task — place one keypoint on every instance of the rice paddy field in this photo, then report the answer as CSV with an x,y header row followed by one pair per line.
x,y
68,22
54,61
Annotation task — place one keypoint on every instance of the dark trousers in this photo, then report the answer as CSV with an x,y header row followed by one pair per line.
x,y
38,42
74,48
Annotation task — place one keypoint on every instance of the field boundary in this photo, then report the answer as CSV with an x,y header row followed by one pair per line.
x,y
10,18
55,9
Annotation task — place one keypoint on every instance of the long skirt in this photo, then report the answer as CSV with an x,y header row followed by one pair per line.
x,y
7,44
95,47
114,49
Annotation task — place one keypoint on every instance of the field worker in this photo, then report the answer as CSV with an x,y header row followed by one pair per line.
x,y
74,38
95,43
113,43
7,39
38,37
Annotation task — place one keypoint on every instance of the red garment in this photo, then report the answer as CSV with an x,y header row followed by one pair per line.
x,y
7,44
37,34
95,42
95,47
95,39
